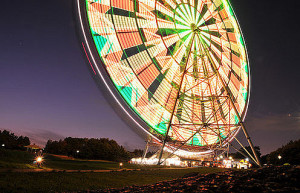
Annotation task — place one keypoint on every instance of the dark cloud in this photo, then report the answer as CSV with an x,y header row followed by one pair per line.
x,y
38,136
283,123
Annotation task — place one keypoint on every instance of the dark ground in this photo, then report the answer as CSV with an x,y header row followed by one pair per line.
x,y
268,179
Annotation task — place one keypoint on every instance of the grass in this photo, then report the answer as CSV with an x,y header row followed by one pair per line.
x,y
61,181
13,159
76,181
77,164
54,162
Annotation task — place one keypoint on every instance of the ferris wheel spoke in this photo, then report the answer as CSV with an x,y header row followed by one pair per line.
x,y
180,85
203,11
179,17
188,13
203,124
182,11
170,3
220,110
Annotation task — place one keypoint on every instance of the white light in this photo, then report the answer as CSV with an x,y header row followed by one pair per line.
x,y
279,157
77,151
39,159
247,159
3,145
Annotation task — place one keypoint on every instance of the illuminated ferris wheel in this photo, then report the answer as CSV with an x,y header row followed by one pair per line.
x,y
177,68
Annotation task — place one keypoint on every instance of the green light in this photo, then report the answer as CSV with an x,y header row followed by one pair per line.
x,y
236,119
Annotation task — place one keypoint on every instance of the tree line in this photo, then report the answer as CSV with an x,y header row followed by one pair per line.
x,y
92,148
107,149
84,148
289,153
9,140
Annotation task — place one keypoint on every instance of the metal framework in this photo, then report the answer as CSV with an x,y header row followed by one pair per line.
x,y
178,68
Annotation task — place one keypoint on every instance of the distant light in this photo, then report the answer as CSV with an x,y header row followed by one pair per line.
x,y
230,157
221,157
39,159
279,157
218,158
3,145
247,159
77,151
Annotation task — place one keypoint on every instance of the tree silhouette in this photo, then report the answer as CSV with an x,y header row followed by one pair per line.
x,y
289,153
85,148
11,141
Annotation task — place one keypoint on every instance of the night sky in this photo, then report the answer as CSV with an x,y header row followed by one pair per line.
x,y
47,91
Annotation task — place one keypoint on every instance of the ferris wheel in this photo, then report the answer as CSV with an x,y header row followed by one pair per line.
x,y
177,68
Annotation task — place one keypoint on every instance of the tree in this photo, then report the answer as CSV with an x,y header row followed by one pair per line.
x,y
85,148
289,153
137,153
11,141
140,153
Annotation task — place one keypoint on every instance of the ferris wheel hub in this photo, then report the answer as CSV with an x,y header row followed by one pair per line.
x,y
194,27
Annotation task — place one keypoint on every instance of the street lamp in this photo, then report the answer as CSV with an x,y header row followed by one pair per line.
x,y
77,151
279,157
3,145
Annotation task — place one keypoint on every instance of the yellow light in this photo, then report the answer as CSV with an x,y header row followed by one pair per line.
x,y
39,159
121,164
